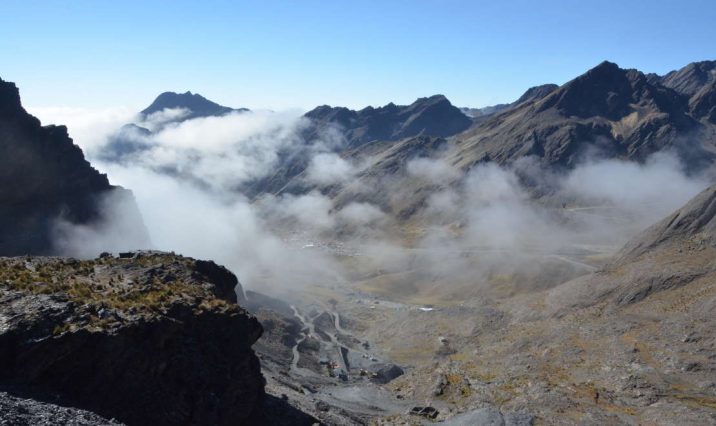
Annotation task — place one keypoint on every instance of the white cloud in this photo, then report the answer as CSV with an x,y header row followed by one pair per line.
x,y
88,128
490,211
433,170
329,168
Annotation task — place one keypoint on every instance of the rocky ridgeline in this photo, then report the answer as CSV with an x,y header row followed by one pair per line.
x,y
432,116
145,338
45,177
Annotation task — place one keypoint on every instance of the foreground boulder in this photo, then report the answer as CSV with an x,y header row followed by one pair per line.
x,y
153,338
386,373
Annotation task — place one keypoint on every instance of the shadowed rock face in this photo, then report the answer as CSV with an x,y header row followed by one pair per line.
x,y
43,177
433,116
149,338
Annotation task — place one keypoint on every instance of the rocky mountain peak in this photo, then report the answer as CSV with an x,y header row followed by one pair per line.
x,y
339,115
605,90
431,100
9,99
198,105
434,116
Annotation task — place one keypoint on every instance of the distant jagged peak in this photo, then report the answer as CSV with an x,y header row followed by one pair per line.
x,y
322,110
423,102
433,115
432,100
198,105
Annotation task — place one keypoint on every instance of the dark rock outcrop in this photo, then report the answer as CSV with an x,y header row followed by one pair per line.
x,y
45,177
150,339
386,373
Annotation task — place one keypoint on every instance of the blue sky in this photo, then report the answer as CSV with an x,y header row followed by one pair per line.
x,y
281,54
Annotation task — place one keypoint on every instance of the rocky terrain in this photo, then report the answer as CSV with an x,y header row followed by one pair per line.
x,y
44,178
145,338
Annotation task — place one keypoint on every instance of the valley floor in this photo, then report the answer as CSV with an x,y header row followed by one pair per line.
x,y
514,356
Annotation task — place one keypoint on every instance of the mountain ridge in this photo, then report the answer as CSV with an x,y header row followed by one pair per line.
x,y
430,116
45,177
628,113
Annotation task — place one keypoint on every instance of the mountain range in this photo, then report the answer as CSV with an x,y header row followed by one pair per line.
x,y
628,341
432,116
608,112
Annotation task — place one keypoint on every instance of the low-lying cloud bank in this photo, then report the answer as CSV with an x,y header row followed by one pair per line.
x,y
186,176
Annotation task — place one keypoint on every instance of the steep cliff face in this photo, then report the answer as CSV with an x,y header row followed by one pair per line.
x,y
146,338
44,177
